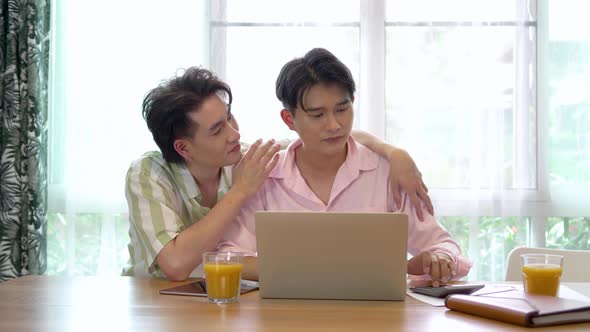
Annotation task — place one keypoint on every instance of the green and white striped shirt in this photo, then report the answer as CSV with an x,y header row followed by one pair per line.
x,y
163,200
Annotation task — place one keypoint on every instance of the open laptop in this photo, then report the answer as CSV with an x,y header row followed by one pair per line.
x,y
332,255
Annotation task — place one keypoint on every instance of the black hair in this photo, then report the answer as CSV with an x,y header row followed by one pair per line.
x,y
300,74
166,107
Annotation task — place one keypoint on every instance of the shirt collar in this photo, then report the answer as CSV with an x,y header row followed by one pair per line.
x,y
358,158
186,181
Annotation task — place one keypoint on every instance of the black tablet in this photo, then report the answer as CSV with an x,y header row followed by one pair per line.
x,y
199,288
444,291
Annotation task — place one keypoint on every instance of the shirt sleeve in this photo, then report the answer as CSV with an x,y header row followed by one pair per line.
x,y
241,234
429,235
153,212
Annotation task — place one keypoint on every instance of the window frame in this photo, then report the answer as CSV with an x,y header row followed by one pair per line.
x,y
537,204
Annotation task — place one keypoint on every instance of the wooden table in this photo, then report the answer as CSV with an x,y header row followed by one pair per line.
x,y
46,303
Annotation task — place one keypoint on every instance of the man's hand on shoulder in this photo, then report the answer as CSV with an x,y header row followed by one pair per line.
x,y
404,175
255,166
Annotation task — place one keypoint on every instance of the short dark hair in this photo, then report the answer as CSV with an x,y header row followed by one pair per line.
x,y
166,107
300,74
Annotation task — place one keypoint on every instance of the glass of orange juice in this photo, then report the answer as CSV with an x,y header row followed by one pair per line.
x,y
541,273
223,273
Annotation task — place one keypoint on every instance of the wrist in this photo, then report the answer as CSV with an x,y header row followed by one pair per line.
x,y
394,153
236,193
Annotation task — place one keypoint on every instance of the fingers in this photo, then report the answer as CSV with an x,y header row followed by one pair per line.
x,y
448,268
443,269
426,199
415,189
445,273
424,187
453,268
397,195
439,266
260,152
426,262
417,206
435,270
253,148
270,153
270,166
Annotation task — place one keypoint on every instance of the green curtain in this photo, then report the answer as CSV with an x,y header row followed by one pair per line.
x,y
24,68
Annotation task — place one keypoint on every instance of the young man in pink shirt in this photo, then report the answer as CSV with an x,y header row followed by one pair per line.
x,y
327,170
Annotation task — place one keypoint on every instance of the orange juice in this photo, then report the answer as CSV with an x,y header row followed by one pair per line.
x,y
223,279
541,278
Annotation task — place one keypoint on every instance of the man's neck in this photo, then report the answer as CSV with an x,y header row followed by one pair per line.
x,y
320,163
319,171
207,180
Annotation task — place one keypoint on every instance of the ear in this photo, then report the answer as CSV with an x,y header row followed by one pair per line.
x,y
352,99
181,148
287,119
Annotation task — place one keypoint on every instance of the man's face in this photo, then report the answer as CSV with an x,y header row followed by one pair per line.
x,y
216,142
326,123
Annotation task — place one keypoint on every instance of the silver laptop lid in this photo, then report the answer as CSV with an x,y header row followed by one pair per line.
x,y
330,255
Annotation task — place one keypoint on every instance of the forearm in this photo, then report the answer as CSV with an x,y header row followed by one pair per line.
x,y
184,253
374,143
430,236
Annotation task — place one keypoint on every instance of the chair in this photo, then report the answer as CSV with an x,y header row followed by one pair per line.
x,y
576,263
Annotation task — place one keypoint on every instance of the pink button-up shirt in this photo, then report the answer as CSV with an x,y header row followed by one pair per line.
x,y
361,185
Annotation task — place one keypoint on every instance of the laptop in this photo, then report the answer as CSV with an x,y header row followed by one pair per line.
x,y
332,255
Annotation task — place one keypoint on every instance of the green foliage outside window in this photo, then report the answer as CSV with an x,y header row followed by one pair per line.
x,y
74,243
568,233
493,238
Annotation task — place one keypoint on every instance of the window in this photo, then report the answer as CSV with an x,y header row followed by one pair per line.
x,y
488,96
460,90
249,46
106,56
460,85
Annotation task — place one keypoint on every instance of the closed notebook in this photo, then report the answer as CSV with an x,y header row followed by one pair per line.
x,y
519,308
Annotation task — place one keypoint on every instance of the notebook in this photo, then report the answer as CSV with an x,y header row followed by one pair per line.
x,y
520,308
329,255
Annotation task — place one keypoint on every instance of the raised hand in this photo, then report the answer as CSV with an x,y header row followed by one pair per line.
x,y
251,171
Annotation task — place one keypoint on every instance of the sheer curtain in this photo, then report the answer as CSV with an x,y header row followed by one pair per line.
x,y
107,55
461,83
483,94
252,40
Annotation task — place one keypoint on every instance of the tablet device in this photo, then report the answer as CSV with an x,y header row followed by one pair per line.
x,y
199,288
